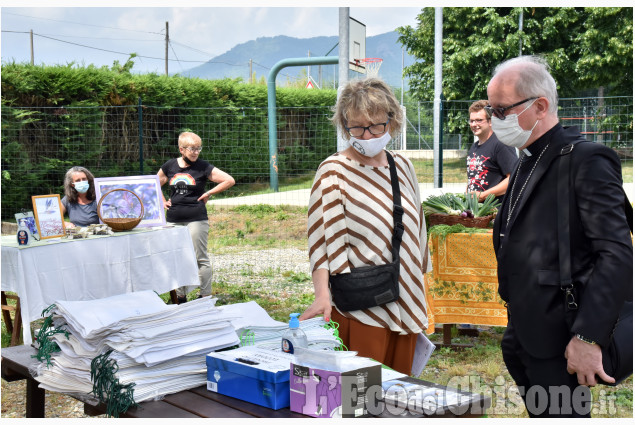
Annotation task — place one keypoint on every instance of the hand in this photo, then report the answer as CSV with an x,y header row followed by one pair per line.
x,y
167,204
205,197
321,306
586,360
69,225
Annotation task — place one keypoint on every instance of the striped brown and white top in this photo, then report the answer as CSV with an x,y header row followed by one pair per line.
x,y
351,225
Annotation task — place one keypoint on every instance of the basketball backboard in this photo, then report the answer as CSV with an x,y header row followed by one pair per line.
x,y
357,45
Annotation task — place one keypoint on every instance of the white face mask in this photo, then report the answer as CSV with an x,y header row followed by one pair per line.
x,y
82,186
370,147
509,132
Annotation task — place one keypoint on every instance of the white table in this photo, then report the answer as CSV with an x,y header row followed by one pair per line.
x,y
159,259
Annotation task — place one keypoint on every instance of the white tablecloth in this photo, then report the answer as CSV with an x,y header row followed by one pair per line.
x,y
159,259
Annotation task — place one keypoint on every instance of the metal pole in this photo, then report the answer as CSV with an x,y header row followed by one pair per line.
x,y
343,63
272,112
419,122
402,66
440,160
438,88
140,114
520,33
32,56
167,41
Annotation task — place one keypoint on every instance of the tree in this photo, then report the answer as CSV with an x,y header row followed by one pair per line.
x,y
585,47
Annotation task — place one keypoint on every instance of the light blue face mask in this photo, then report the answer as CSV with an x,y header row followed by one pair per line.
x,y
81,187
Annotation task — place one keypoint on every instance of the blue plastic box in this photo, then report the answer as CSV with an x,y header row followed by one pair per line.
x,y
251,374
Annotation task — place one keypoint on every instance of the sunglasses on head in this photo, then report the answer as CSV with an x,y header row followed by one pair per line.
x,y
500,112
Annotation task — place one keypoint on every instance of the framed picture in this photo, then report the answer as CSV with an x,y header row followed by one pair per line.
x,y
122,204
48,216
27,220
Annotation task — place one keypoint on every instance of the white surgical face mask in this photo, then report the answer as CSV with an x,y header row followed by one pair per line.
x,y
509,132
370,147
82,187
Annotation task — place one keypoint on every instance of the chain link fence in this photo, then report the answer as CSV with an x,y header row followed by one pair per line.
x,y
607,120
40,144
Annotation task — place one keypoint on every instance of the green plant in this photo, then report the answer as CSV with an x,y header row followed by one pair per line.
x,y
442,230
460,204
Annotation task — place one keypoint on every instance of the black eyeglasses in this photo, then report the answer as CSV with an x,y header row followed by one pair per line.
x,y
374,129
500,112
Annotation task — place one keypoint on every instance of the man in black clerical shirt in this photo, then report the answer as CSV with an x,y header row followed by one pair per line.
x,y
554,353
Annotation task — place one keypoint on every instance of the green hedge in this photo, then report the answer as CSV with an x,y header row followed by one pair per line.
x,y
54,117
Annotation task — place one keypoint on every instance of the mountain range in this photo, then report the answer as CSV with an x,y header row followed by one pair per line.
x,y
265,52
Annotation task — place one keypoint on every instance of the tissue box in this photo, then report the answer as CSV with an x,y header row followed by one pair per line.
x,y
251,374
323,393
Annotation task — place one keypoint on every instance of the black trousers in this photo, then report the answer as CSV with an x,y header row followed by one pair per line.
x,y
546,387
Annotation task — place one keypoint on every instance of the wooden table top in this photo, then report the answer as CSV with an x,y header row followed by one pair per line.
x,y
199,402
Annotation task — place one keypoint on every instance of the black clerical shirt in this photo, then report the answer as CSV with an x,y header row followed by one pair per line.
x,y
525,165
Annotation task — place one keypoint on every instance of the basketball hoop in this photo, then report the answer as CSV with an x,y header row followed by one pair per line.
x,y
371,65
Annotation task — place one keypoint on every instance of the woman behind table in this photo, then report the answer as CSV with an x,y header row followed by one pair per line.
x,y
79,198
351,225
187,176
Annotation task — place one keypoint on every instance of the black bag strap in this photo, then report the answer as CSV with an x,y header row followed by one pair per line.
x,y
564,238
564,195
397,214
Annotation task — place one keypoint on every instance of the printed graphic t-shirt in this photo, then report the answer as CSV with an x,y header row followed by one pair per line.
x,y
488,164
186,186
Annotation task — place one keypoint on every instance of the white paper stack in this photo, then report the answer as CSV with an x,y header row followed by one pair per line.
x,y
160,348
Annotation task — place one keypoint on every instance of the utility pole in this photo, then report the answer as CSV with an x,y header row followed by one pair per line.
x,y
167,41
250,72
32,57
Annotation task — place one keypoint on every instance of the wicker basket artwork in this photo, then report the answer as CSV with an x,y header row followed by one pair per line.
x,y
120,224
481,222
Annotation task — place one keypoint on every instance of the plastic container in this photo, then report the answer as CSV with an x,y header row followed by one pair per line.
x,y
294,336
23,235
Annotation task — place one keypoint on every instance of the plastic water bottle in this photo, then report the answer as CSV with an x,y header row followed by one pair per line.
x,y
294,336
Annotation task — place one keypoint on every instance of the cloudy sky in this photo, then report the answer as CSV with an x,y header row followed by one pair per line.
x,y
100,35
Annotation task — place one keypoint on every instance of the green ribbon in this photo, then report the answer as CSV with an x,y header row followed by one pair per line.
x,y
107,388
46,346
334,326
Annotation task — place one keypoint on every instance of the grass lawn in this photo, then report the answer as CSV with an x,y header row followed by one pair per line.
x,y
280,292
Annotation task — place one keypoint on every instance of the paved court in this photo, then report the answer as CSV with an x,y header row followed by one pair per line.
x,y
301,197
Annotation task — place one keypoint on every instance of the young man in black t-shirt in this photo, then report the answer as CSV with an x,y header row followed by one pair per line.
x,y
489,162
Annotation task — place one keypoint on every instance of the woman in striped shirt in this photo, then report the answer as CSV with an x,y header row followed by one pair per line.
x,y
351,225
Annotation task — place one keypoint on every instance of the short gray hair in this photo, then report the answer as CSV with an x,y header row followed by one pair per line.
x,y
534,78
368,97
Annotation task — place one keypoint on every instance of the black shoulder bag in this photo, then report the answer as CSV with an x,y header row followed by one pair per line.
x,y
617,356
370,286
